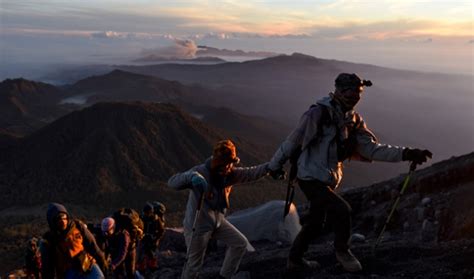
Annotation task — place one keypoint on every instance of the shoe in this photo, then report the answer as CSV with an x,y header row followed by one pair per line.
x,y
303,264
348,261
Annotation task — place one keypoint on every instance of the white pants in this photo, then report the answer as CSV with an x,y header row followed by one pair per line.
x,y
236,246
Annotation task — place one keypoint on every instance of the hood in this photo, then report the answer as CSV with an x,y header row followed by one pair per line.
x,y
53,210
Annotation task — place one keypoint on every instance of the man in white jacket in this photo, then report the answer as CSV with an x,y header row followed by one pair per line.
x,y
327,134
214,180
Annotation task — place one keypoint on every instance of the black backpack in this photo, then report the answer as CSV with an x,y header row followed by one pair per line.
x,y
129,219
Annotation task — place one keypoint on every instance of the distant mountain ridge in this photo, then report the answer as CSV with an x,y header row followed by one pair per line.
x,y
106,148
27,105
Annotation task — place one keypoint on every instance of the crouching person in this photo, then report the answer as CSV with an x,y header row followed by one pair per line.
x,y
213,181
69,249
121,248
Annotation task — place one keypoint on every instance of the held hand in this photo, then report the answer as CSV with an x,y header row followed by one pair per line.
x,y
417,156
199,182
278,174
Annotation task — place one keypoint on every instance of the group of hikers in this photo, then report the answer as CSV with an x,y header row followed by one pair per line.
x,y
73,249
328,133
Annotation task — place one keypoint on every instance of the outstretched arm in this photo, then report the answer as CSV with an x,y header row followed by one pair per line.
x,y
182,180
247,174
369,147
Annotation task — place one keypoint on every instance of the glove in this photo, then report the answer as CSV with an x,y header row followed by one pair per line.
x,y
199,182
278,174
416,155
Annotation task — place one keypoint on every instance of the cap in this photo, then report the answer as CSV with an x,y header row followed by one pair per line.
x,y
346,80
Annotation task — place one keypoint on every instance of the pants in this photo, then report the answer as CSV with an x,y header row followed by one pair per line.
x,y
236,247
325,205
95,273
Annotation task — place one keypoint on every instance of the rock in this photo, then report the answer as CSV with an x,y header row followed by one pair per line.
x,y
241,275
428,231
426,201
357,237
420,213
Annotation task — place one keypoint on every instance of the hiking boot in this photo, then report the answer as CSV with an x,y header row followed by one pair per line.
x,y
302,264
348,261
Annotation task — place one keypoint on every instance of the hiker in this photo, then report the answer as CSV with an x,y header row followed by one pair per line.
x,y
213,181
68,249
120,249
123,231
154,228
33,259
326,135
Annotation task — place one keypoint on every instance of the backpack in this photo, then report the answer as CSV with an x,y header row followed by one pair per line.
x,y
129,219
345,148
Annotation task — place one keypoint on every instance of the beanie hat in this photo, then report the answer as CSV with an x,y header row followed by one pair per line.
x,y
225,153
345,81
107,224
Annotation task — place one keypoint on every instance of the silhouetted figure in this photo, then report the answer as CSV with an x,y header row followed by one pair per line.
x,y
120,248
33,259
330,132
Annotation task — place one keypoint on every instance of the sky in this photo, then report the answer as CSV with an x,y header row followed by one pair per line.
x,y
435,36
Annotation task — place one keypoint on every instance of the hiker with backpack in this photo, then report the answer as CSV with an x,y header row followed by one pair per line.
x,y
68,249
330,132
154,228
210,184
33,259
121,243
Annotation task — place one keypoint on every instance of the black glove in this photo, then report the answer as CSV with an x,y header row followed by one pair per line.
x,y
416,155
278,174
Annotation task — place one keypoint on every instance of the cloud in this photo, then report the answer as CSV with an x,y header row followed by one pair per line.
x,y
212,51
108,35
471,42
182,49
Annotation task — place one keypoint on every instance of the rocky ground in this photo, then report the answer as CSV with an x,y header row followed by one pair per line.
x,y
398,256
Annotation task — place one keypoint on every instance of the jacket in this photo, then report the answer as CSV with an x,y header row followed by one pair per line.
x,y
216,203
319,158
61,250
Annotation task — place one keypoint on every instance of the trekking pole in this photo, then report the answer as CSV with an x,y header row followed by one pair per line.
x,y
290,191
395,204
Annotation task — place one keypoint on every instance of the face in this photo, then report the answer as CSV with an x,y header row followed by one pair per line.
x,y
62,221
223,170
349,97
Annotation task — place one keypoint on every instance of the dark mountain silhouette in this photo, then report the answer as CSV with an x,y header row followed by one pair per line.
x,y
430,236
202,59
125,86
27,105
408,108
107,148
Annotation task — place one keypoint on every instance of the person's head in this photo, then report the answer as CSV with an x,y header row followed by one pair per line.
x,y
349,88
33,244
159,208
108,226
58,217
148,209
224,156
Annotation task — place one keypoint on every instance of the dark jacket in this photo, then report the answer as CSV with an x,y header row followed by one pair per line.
x,y
119,247
56,259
